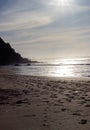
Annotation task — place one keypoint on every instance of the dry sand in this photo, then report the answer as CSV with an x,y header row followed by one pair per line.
x,y
39,103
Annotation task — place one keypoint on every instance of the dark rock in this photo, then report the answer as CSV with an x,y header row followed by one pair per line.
x,y
9,56
16,64
28,64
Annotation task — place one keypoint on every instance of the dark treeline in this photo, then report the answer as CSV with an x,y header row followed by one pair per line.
x,y
8,54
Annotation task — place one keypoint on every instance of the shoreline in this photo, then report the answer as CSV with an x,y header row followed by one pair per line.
x,y
10,69
10,72
43,103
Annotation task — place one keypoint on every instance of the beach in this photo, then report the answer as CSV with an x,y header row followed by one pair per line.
x,y
43,103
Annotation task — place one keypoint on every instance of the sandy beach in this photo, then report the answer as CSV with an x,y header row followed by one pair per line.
x,y
40,103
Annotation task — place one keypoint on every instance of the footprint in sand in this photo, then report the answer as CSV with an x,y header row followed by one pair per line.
x,y
76,114
87,105
63,109
83,121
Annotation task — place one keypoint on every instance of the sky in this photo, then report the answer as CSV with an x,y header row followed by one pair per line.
x,y
46,29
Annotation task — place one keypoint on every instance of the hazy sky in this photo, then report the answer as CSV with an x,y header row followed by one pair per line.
x,y
41,29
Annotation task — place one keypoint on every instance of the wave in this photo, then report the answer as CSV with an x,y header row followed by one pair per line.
x,y
61,64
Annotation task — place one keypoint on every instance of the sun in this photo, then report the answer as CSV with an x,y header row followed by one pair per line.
x,y
61,6
62,2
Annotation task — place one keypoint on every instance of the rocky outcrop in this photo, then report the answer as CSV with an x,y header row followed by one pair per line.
x,y
9,56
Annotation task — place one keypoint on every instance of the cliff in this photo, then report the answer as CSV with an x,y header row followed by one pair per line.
x,y
9,56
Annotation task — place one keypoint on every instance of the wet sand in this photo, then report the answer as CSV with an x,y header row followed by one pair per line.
x,y
40,103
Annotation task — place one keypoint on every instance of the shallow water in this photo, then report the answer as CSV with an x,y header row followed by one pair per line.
x,y
58,68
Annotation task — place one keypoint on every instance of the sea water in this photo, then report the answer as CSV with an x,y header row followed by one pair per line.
x,y
75,67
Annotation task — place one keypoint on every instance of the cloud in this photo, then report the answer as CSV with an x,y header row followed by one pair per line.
x,y
35,24
32,14
83,2
50,36
25,21
25,15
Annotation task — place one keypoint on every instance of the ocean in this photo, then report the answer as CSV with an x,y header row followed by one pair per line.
x,y
74,67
